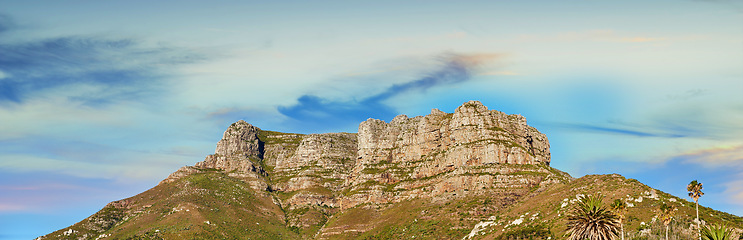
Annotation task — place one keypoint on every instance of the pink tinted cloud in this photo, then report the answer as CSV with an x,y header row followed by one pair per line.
x,y
719,156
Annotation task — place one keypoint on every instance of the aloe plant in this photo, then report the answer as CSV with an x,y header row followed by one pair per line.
x,y
716,232
590,220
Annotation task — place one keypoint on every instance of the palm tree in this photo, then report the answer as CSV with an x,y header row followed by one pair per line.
x,y
666,215
695,192
590,220
619,208
714,232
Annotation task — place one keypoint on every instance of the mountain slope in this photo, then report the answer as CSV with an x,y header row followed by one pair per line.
x,y
475,173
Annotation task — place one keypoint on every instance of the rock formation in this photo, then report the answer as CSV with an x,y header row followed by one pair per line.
x,y
424,156
474,173
441,157
429,156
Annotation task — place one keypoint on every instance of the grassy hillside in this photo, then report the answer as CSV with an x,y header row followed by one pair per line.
x,y
212,205
540,214
206,205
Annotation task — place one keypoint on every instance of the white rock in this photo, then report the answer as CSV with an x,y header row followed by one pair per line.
x,y
478,227
517,221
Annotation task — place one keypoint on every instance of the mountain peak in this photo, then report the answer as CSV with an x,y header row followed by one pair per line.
x,y
444,175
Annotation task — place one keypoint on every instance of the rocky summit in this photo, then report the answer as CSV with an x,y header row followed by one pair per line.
x,y
469,174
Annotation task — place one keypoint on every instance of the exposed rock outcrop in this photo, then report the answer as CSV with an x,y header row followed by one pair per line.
x,y
472,135
437,176
439,156
442,153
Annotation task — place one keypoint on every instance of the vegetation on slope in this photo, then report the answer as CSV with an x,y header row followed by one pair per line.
x,y
206,205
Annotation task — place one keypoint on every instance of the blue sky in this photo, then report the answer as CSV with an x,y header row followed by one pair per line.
x,y
100,100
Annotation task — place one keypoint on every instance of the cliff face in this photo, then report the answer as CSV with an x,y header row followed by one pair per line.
x,y
474,173
441,157
472,135
443,154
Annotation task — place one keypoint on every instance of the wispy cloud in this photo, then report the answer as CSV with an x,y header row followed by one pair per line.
x,y
318,112
6,23
718,156
692,93
107,69
641,39
500,73
734,189
617,130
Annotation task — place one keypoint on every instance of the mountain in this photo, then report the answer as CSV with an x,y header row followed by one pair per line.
x,y
475,173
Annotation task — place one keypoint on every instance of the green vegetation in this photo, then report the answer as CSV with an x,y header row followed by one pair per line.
x,y
714,232
539,231
209,204
590,220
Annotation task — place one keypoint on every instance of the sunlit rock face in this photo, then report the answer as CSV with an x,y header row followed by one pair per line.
x,y
434,156
300,180
427,156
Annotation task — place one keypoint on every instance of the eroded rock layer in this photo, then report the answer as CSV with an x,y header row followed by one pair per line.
x,y
440,156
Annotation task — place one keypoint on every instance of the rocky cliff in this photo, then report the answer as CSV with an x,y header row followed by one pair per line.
x,y
473,173
440,157
443,155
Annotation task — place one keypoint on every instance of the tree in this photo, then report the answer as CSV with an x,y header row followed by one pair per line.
x,y
716,232
590,220
619,208
665,215
695,192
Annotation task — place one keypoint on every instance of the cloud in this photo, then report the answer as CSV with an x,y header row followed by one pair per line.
x,y
317,112
729,4
734,189
125,169
109,70
6,23
718,156
681,117
641,39
617,130
7,207
692,93
500,73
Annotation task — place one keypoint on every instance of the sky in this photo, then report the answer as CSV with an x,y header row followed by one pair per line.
x,y
100,100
